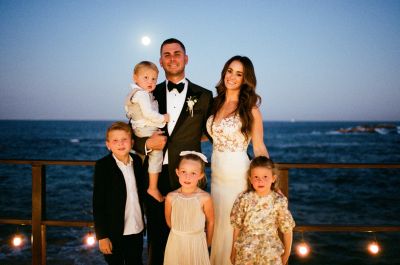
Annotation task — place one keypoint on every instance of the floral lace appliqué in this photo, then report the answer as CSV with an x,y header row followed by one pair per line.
x,y
226,134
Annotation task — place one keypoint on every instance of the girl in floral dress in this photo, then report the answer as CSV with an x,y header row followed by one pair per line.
x,y
188,211
256,216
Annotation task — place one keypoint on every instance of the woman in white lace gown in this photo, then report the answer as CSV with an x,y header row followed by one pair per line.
x,y
235,121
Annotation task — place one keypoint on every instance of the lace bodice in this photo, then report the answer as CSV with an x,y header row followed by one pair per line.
x,y
226,134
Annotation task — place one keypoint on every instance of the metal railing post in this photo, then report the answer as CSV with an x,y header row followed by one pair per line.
x,y
38,214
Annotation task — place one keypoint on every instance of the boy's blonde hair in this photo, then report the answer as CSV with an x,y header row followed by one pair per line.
x,y
265,162
144,65
119,125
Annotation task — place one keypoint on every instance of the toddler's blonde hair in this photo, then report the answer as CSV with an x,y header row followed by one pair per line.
x,y
144,65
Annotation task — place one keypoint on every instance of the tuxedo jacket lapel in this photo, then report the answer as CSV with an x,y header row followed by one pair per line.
x,y
118,173
161,97
160,94
185,112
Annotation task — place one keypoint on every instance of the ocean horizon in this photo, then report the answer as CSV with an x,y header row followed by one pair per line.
x,y
316,196
277,120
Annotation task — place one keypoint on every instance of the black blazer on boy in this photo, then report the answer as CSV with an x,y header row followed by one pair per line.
x,y
109,196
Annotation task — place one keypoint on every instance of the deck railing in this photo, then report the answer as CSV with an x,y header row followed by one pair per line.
x,y
39,222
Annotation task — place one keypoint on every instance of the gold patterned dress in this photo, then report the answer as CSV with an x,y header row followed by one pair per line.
x,y
259,218
187,243
229,165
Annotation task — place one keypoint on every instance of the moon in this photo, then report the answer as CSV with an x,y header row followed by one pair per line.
x,y
146,40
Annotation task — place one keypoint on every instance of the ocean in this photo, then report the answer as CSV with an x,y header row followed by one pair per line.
x,y
316,196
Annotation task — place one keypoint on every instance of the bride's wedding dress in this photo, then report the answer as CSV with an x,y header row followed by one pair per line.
x,y
229,165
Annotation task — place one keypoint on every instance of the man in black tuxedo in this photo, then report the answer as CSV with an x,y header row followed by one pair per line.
x,y
188,106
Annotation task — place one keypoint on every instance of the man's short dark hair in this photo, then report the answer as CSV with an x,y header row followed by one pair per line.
x,y
170,41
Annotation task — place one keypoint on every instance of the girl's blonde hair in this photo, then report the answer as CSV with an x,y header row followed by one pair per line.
x,y
265,162
202,182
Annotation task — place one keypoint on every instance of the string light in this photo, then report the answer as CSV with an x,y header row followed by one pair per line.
x,y
90,239
374,248
303,249
17,240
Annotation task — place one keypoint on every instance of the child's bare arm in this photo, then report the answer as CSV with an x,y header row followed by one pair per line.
x,y
209,213
287,243
236,233
168,209
286,223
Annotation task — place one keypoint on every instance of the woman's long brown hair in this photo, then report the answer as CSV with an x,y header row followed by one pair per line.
x,y
248,98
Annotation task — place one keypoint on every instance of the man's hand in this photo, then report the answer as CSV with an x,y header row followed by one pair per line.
x,y
157,141
105,246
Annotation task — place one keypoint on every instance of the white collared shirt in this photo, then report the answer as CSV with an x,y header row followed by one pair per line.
x,y
133,214
175,103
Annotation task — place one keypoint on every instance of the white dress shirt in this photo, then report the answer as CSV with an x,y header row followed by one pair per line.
x,y
133,214
175,103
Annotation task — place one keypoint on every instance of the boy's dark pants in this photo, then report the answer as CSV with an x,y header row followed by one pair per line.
x,y
126,251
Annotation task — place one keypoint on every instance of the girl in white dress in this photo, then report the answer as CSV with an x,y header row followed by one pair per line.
x,y
235,121
188,211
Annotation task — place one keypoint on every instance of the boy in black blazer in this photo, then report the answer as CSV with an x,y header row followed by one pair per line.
x,y
117,199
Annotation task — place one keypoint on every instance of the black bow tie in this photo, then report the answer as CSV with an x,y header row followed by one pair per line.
x,y
178,87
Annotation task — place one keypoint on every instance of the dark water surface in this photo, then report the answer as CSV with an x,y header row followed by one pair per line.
x,y
317,196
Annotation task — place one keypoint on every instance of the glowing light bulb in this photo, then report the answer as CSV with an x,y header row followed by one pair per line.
x,y
373,248
17,241
303,249
90,239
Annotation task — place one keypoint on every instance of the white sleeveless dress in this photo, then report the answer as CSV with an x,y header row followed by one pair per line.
x,y
229,165
187,243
